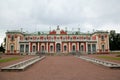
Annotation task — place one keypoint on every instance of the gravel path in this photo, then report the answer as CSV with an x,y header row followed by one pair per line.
x,y
63,68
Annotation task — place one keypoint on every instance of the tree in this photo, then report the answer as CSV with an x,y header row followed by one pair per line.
x,y
2,48
114,40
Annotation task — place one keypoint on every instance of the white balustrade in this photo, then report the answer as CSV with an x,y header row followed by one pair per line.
x,y
22,65
101,62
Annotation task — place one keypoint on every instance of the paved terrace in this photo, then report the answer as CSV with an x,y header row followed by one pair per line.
x,y
63,68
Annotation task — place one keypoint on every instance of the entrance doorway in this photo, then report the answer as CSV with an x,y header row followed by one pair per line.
x,y
58,47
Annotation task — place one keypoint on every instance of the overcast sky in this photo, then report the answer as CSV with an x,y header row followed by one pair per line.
x,y
39,15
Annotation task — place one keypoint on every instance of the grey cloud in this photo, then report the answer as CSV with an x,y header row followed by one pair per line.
x,y
63,12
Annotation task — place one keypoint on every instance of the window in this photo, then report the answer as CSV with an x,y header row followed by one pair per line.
x,y
44,38
57,38
34,48
65,48
38,38
73,47
77,38
21,48
51,48
102,37
88,38
81,48
63,38
84,38
12,48
26,38
103,48
42,48
52,38
12,38
27,48
89,48
94,48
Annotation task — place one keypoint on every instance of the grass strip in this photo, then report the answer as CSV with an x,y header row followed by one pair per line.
x,y
9,59
109,57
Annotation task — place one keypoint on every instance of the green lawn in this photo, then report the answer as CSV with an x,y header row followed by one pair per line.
x,y
109,57
9,59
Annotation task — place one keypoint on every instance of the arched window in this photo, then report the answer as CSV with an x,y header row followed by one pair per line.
x,y
27,48
51,48
94,48
89,48
73,48
65,48
21,48
58,47
12,48
82,48
34,48
103,48
42,48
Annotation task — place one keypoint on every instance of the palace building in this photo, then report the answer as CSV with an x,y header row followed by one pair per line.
x,y
56,41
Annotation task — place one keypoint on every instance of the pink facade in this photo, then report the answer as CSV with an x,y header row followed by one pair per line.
x,y
57,41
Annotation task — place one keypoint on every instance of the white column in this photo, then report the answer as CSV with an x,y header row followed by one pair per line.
x,y
18,45
91,48
24,47
38,47
96,47
78,46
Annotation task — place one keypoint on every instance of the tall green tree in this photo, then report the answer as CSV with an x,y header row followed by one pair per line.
x,y
114,40
2,48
